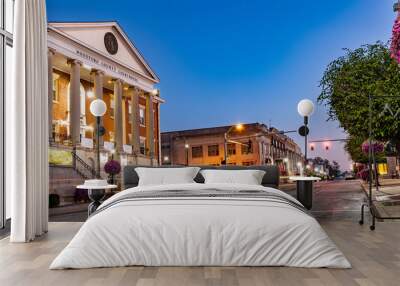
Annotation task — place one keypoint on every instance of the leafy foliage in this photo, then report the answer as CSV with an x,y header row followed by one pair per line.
x,y
346,85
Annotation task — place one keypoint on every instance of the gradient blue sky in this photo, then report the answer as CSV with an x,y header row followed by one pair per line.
x,y
222,62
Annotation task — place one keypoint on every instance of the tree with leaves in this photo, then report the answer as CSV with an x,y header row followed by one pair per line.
x,y
346,86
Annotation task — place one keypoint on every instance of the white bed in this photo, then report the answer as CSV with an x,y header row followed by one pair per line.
x,y
200,231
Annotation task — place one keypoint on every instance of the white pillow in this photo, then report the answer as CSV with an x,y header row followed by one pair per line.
x,y
248,177
166,176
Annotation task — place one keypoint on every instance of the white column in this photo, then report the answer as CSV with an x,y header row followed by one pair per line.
x,y
159,134
50,54
118,115
75,102
135,124
124,113
150,125
98,91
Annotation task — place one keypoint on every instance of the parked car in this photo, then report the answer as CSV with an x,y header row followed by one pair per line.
x,y
349,176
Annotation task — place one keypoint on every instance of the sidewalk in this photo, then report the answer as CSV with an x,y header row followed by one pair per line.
x,y
387,199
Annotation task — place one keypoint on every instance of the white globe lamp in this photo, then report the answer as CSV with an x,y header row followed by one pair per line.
x,y
98,107
305,107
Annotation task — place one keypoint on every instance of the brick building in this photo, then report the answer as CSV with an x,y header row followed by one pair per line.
x,y
97,60
253,144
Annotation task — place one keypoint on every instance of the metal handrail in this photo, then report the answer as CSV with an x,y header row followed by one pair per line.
x,y
84,164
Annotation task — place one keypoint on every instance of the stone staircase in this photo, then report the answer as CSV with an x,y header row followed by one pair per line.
x,y
63,182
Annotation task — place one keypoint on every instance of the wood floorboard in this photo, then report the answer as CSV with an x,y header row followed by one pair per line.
x,y
375,257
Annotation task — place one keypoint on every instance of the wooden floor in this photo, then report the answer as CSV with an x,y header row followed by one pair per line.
x,y
375,257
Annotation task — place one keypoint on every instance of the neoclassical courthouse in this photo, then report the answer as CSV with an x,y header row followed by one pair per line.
x,y
97,60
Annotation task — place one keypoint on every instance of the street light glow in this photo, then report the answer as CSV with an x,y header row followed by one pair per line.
x,y
239,126
187,146
90,94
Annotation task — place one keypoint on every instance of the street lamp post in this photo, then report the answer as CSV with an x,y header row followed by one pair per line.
x,y
98,108
305,108
187,153
238,127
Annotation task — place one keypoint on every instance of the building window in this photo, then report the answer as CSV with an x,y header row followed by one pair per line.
x,y
112,106
248,163
213,150
129,111
142,116
55,87
130,138
231,149
143,145
111,134
197,151
246,149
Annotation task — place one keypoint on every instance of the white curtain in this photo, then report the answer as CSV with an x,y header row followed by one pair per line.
x,y
26,124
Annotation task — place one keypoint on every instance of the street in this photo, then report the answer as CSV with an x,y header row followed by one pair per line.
x,y
335,200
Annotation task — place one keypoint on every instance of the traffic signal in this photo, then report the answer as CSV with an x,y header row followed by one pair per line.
x,y
312,147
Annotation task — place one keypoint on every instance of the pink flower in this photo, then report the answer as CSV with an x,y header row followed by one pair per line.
x,y
395,44
377,147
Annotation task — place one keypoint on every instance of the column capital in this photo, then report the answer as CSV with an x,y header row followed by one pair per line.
x,y
117,80
74,62
51,51
96,72
134,88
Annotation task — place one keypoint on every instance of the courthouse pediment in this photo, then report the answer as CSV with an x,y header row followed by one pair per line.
x,y
108,39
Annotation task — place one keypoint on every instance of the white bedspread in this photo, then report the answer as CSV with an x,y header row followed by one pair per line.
x,y
200,231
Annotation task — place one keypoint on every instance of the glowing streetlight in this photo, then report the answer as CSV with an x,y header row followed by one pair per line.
x,y
305,108
98,108
237,127
187,153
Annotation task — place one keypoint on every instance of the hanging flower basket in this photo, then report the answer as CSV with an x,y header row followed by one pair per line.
x,y
112,168
377,147
395,43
